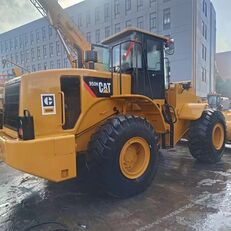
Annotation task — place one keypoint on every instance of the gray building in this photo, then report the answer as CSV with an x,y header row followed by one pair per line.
x,y
192,24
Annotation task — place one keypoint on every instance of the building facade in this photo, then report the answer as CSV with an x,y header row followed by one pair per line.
x,y
192,24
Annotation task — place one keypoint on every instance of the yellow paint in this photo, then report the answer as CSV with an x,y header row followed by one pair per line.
x,y
191,111
228,124
227,115
184,102
134,157
46,157
218,136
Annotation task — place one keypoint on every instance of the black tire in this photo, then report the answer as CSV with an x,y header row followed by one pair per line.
x,y
200,137
104,151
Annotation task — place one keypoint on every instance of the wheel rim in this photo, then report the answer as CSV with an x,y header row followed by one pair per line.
x,y
134,157
218,136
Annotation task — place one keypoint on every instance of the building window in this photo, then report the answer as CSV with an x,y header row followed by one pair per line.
x,y
6,45
32,54
44,66
128,6
203,74
39,66
165,1
33,68
80,23
7,58
204,52
106,12
51,49
166,19
139,5
116,7
43,33
11,58
27,56
205,8
37,36
1,43
16,58
89,37
107,31
58,63
11,44
58,51
65,63
140,22
25,40
15,43
44,51
31,38
97,14
38,53
128,23
97,36
152,2
51,64
88,19
117,27
50,31
204,29
20,41
152,21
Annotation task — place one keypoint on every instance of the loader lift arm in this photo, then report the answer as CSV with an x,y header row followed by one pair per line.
x,y
74,42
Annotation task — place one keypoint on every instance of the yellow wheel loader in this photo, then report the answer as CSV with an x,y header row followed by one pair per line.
x,y
217,102
115,106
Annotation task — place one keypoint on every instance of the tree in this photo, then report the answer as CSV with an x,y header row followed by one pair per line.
x,y
223,86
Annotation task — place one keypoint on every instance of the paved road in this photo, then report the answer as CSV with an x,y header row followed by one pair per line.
x,y
185,195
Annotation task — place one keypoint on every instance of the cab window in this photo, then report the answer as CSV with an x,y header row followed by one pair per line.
x,y
128,54
154,52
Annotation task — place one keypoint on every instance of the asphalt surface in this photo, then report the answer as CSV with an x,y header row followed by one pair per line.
x,y
185,195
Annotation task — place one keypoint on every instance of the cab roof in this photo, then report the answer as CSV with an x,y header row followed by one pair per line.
x,y
131,30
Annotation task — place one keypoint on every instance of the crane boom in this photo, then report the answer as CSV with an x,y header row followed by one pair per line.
x,y
74,42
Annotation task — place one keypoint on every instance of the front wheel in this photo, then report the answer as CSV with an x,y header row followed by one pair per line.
x,y
207,137
125,151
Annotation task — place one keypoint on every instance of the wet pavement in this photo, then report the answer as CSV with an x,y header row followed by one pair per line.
x,y
185,195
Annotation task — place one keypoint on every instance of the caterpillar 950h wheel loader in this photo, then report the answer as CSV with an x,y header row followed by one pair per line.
x,y
117,114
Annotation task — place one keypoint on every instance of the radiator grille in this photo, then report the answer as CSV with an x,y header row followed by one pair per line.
x,y
11,104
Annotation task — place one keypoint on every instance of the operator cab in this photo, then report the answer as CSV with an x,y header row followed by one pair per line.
x,y
214,100
140,54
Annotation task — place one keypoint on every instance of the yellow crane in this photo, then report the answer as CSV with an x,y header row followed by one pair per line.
x,y
117,117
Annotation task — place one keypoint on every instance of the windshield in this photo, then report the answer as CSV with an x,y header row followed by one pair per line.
x,y
102,56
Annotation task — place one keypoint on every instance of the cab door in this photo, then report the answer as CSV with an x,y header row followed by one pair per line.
x,y
155,69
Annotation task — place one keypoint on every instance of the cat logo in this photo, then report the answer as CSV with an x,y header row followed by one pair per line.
x,y
48,104
105,88
98,86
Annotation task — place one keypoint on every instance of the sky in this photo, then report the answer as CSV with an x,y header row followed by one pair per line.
x,y
15,13
223,14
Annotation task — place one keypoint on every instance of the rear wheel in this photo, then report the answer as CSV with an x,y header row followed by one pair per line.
x,y
207,137
125,153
